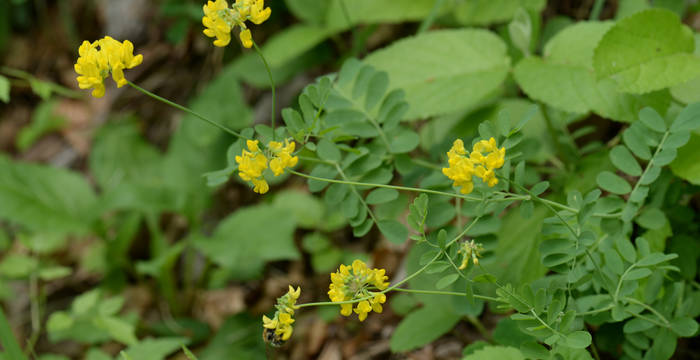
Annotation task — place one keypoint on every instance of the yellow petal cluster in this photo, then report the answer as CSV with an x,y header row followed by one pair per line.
x,y
282,156
356,282
102,57
482,162
220,19
470,250
252,162
283,319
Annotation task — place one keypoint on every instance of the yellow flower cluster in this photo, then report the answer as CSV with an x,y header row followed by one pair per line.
x,y
281,322
252,162
99,58
471,250
482,161
219,19
347,285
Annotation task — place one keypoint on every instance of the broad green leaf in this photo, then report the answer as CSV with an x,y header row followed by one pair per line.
x,y
156,349
517,255
327,150
117,328
652,218
449,69
446,281
564,77
42,198
306,209
611,182
496,353
421,327
393,230
485,12
647,51
689,91
578,339
622,158
652,120
282,51
249,237
240,335
4,89
688,119
311,11
687,162
375,11
637,274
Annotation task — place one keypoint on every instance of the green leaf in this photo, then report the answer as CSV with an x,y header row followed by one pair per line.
x,y
496,353
327,150
306,209
608,181
450,69
564,77
403,140
381,195
622,158
652,120
517,254
578,339
520,30
117,328
486,12
375,11
655,258
637,274
9,343
310,11
239,335
17,266
687,162
688,119
684,327
188,353
4,89
393,230
446,281
652,218
41,88
42,197
54,272
647,51
156,349
422,327
245,240
43,122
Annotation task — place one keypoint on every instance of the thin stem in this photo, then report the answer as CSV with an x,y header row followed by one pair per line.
x,y
479,327
405,188
29,78
357,193
428,21
597,8
35,310
651,309
451,293
272,87
187,110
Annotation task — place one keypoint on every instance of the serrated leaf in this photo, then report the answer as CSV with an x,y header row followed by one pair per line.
x,y
647,51
454,70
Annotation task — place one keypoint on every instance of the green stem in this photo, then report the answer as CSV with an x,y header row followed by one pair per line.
x,y
395,286
666,323
597,8
428,21
272,87
29,78
357,193
450,293
187,110
8,340
395,187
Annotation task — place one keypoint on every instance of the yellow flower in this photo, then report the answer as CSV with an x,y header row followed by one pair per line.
x,y
95,64
283,319
356,282
462,168
362,309
220,19
282,156
216,14
251,165
471,250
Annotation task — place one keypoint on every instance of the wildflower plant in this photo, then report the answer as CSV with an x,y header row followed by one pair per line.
x,y
599,249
